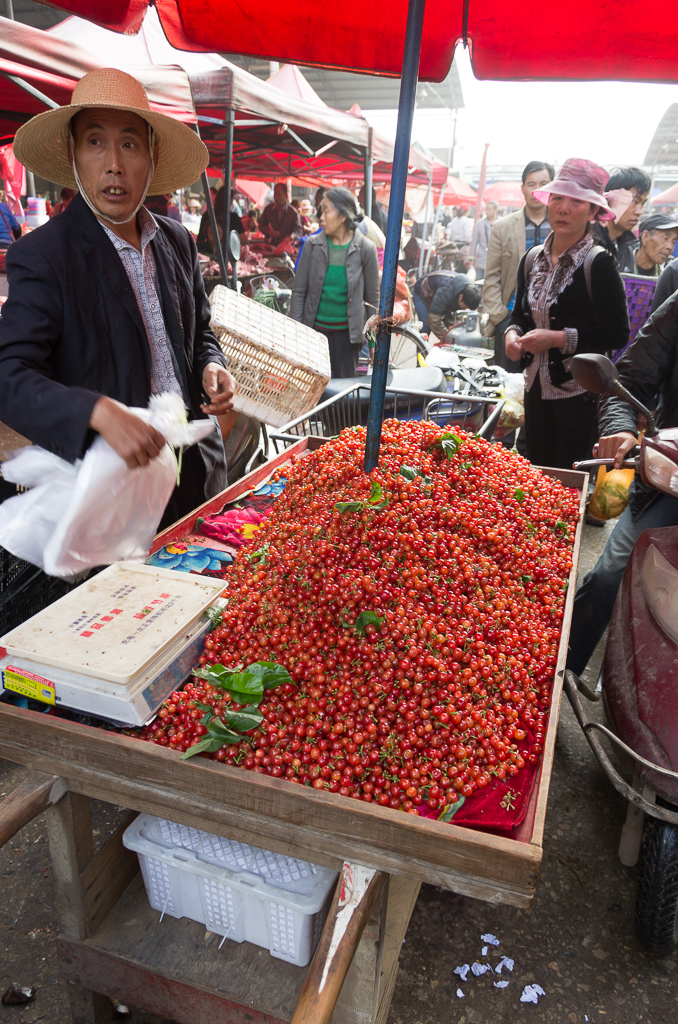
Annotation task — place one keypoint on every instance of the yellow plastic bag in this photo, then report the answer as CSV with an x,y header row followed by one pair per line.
x,y
611,494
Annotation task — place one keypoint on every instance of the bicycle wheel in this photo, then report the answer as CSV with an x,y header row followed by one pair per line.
x,y
406,347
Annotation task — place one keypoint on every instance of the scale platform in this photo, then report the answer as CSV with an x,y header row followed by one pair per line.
x,y
116,646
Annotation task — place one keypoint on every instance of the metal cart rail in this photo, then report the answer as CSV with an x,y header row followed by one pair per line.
x,y
349,409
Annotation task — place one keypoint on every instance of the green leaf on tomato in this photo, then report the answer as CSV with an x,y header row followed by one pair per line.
x,y
244,720
259,557
208,745
367,619
349,506
219,730
266,673
519,494
562,527
408,472
216,675
449,812
449,443
215,615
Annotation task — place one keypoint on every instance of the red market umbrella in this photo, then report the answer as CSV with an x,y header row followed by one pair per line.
x,y
669,195
506,193
508,39
458,193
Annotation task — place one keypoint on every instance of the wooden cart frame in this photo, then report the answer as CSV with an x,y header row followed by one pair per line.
x,y
111,943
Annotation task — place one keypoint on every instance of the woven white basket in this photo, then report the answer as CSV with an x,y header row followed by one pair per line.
x,y
281,367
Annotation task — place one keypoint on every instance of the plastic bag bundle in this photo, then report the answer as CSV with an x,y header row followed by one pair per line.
x,y
513,414
95,511
611,493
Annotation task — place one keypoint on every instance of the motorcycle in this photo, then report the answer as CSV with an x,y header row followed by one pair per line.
x,y
638,683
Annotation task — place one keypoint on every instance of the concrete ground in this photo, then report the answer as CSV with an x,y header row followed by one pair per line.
x,y
576,942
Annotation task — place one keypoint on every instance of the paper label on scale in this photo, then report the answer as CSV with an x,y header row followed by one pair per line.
x,y
19,680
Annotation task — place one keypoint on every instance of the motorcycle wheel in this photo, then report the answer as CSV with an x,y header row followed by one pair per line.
x,y
656,917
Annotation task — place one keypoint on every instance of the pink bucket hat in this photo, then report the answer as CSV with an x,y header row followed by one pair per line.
x,y
579,179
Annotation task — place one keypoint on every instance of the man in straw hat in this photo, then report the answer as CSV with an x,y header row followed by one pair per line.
x,y
106,303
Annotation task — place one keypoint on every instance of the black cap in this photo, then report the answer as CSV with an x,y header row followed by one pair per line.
x,y
657,222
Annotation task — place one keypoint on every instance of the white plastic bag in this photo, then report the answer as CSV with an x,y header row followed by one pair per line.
x,y
27,521
97,511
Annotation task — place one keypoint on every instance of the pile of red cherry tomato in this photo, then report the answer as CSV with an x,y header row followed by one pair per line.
x,y
417,610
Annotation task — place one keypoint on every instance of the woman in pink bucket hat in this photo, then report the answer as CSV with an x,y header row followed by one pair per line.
x,y
569,298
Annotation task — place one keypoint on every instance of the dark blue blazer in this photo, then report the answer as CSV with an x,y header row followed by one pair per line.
x,y
71,331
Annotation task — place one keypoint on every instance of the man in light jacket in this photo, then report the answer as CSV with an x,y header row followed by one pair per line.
x,y
511,237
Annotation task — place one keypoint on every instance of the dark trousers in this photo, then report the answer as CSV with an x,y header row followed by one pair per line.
x,y
421,309
343,355
594,601
500,357
559,431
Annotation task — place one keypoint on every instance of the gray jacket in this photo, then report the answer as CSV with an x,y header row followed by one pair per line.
x,y
362,274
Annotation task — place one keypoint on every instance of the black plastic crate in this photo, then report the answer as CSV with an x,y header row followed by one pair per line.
x,y
25,590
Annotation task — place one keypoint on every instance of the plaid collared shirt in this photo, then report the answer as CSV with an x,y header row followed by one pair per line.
x,y
143,276
543,288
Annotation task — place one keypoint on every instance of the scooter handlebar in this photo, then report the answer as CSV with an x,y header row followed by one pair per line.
x,y
591,463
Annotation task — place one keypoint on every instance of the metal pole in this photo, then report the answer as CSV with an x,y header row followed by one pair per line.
x,y
229,121
436,221
219,252
368,175
408,90
439,208
481,183
425,225
9,10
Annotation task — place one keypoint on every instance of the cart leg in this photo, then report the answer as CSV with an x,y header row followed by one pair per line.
x,y
356,892
400,897
71,847
89,1007
366,994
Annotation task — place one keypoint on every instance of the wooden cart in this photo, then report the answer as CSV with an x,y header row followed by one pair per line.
x,y
112,944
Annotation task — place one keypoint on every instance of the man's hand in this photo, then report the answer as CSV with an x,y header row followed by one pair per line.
x,y
540,341
134,440
616,447
514,350
218,385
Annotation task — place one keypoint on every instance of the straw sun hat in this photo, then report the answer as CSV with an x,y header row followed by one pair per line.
x,y
41,144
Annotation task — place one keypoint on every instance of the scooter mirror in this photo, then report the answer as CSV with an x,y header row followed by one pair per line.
x,y
595,372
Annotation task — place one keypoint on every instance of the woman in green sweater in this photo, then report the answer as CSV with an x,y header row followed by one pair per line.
x,y
336,287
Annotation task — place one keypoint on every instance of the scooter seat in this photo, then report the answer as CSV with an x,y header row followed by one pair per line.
x,y
640,669
421,378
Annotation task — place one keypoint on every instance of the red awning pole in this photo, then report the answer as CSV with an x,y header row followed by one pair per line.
x,y
408,90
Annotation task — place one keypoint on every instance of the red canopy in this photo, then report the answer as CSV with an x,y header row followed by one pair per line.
x,y
506,193
669,195
278,133
508,39
458,192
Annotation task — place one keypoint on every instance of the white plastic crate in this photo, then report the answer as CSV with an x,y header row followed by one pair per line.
x,y
239,891
281,367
